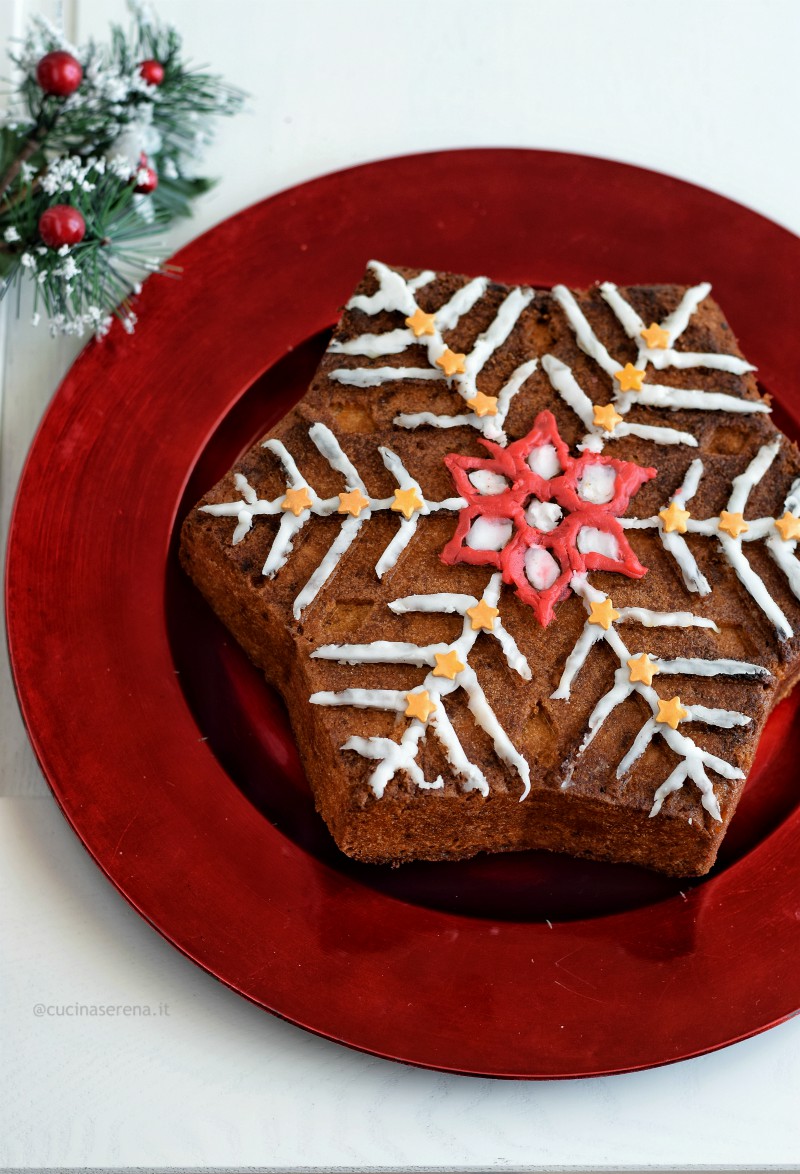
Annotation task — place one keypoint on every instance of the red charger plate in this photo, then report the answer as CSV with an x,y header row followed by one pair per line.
x,y
175,764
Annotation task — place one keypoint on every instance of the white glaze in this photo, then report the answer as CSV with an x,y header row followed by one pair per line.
x,y
543,515
489,533
543,460
594,541
488,483
597,484
541,569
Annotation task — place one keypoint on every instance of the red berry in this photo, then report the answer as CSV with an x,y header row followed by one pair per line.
x,y
152,72
146,180
61,225
59,73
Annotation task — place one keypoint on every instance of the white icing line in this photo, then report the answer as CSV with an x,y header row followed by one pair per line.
x,y
392,342
751,582
676,322
638,746
664,619
284,543
393,293
657,396
742,485
475,780
573,395
328,447
377,376
654,432
444,602
587,340
726,718
462,301
700,667
485,717
630,321
347,534
390,699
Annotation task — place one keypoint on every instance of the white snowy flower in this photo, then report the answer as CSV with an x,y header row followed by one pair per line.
x,y
36,319
41,278
11,234
28,261
27,172
63,250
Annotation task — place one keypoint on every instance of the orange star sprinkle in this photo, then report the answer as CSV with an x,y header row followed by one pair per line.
x,y
406,501
606,417
674,518
788,527
655,337
671,712
629,378
419,705
642,668
451,362
603,613
352,503
483,405
421,323
447,664
483,616
733,524
297,500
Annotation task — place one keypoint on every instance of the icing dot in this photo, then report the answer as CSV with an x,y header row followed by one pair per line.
x,y
543,515
489,533
541,568
594,541
597,484
488,483
543,460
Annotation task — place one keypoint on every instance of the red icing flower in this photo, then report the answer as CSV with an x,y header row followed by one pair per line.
x,y
540,515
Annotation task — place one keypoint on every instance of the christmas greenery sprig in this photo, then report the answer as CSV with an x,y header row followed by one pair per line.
x,y
97,156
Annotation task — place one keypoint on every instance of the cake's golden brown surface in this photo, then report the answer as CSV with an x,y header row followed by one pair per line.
x,y
597,814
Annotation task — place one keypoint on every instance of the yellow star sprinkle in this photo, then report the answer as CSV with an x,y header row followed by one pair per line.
x,y
606,417
406,501
629,378
451,362
642,668
788,527
421,323
447,664
655,337
419,705
483,405
603,613
733,524
352,503
671,712
297,500
483,616
674,518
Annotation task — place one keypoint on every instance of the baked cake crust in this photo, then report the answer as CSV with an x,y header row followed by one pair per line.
x,y
595,686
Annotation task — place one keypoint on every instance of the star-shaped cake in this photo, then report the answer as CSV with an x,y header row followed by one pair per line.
x,y
522,564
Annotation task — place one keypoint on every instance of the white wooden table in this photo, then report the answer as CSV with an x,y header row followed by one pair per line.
x,y
708,91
